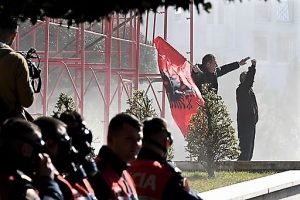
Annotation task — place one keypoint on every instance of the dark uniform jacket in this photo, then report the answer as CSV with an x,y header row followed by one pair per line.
x,y
158,179
247,110
74,191
212,78
112,181
14,185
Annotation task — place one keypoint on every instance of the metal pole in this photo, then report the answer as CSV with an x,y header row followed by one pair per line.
x,y
146,34
46,69
163,103
154,26
131,37
137,52
82,67
191,32
108,41
119,64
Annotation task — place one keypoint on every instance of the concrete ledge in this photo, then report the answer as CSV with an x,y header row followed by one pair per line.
x,y
278,186
242,165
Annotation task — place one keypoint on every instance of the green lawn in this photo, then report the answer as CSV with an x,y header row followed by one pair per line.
x,y
200,182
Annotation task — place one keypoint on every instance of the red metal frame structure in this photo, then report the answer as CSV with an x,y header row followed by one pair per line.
x,y
67,57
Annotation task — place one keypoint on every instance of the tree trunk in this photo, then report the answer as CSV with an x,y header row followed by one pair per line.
x,y
210,168
210,155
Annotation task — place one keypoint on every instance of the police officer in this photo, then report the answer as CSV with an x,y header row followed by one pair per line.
x,y
81,139
124,140
154,176
25,172
72,178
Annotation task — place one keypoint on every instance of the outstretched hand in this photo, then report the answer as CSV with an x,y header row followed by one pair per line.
x,y
244,61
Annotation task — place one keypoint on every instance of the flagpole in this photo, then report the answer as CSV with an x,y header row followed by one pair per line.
x,y
194,66
163,106
191,32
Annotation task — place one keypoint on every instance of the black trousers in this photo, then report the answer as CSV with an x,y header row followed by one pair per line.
x,y
246,134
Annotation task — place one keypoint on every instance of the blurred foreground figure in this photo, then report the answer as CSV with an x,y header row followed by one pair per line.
x,y
247,112
15,84
124,140
82,138
155,177
25,172
72,178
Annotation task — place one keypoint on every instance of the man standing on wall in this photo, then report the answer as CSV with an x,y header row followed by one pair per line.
x,y
247,112
208,71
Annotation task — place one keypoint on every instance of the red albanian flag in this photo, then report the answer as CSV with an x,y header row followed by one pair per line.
x,y
183,94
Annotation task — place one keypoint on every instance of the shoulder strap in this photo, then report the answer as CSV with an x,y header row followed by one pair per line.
x,y
86,189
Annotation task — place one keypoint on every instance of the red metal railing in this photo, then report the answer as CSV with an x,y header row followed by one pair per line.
x,y
82,74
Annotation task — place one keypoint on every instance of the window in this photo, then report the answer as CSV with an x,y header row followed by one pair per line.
x,y
284,11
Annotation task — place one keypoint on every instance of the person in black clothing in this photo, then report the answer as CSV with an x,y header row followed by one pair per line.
x,y
124,141
155,177
72,178
209,71
247,112
82,138
25,172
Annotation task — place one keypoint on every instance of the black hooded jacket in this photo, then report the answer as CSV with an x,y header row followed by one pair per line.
x,y
247,110
212,78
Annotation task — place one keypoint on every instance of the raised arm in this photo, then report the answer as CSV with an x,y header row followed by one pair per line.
x,y
249,79
230,67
